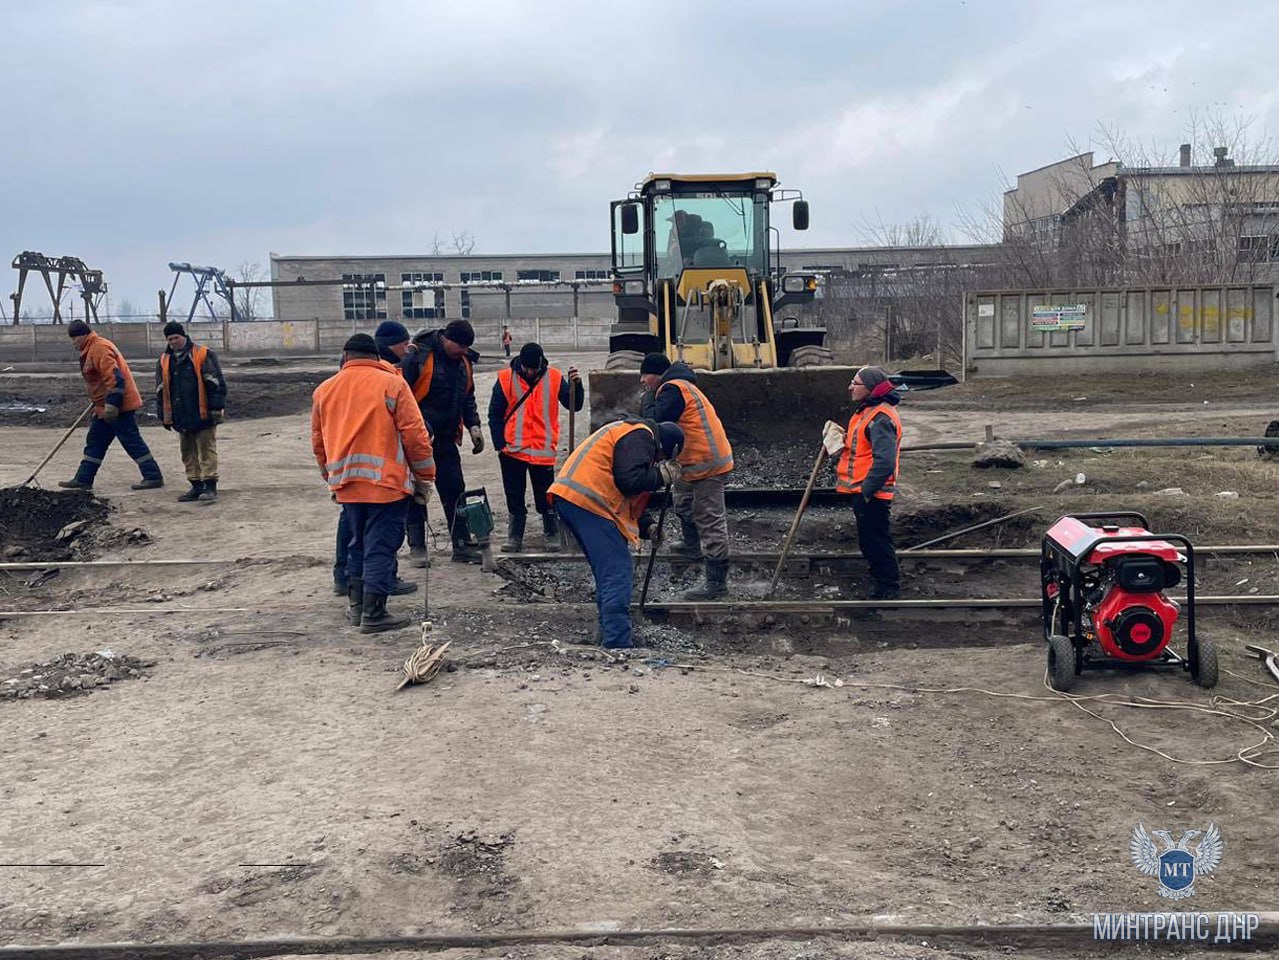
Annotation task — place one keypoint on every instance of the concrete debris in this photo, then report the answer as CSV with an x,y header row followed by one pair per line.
x,y
71,674
1064,485
999,453
1228,495
1170,492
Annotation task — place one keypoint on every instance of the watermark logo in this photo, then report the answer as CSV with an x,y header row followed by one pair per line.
x,y
1176,866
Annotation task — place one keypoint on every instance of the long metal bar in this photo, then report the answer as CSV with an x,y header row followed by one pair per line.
x,y
1049,444
820,606
976,526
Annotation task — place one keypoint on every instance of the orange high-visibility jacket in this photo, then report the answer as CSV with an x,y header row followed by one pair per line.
x,y
533,432
706,452
368,435
198,353
855,462
105,372
587,479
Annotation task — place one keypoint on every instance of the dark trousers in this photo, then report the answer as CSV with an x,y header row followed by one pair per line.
x,y
515,474
342,551
450,483
876,541
125,429
612,565
377,530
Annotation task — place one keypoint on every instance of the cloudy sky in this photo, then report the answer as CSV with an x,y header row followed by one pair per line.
x,y
143,131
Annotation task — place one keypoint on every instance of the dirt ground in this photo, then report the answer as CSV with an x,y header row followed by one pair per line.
x,y
257,776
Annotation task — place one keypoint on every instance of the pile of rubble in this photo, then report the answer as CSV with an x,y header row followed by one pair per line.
x,y
71,674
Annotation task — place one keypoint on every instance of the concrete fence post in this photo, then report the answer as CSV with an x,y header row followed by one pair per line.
x,y
315,326
147,329
226,336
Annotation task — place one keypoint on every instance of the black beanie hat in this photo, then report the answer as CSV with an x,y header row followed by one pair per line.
x,y
671,437
173,327
360,343
460,332
532,356
78,328
655,363
390,332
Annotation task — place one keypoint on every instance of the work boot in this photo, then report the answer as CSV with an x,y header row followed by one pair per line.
x,y
551,532
419,557
354,600
885,592
197,488
377,619
514,541
463,552
74,484
148,483
340,586
400,587
716,584
210,492
691,546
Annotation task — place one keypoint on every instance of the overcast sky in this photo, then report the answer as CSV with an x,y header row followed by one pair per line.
x,y
143,131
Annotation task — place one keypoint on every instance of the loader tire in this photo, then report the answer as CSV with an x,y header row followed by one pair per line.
x,y
624,360
1203,663
811,356
1061,663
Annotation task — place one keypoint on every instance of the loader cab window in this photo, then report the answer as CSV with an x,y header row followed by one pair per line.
x,y
628,248
708,229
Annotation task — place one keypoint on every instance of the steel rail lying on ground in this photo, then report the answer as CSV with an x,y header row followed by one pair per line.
x,y
761,557
935,603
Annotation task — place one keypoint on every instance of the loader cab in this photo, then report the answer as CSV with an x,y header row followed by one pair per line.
x,y
673,238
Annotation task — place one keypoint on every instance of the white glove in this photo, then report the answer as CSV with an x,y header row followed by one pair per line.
x,y
422,492
670,471
833,438
477,440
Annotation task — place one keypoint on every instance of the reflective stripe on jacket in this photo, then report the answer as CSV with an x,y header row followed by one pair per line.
x,y
707,452
198,353
858,456
107,375
533,433
368,435
587,479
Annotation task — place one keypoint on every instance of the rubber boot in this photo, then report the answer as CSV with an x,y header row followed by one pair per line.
x,y
716,584
514,541
551,531
154,482
401,587
418,557
463,552
341,586
210,493
691,546
354,600
197,488
377,619
75,484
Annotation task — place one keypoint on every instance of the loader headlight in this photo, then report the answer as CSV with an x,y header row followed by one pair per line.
x,y
662,185
763,183
633,288
794,284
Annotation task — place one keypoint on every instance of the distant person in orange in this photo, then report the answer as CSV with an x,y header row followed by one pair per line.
x,y
507,339
116,402
371,443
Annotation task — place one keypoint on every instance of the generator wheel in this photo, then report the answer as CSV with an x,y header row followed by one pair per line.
x,y
1061,662
624,360
811,356
1203,663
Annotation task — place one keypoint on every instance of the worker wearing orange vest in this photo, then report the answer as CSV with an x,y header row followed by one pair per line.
x,y
374,452
707,459
116,401
190,397
601,495
524,422
867,471
440,371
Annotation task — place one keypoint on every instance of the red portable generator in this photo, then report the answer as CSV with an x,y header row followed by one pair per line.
x,y
1102,586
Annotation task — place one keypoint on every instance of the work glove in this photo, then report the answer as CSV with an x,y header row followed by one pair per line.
x,y
217,416
110,412
650,530
477,440
833,438
670,471
573,375
422,492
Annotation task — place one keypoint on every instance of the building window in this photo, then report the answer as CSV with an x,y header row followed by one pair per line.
x,y
592,275
466,304
482,276
422,304
541,276
364,296
1254,249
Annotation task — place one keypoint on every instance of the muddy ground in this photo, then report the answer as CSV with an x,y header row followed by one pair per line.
x,y
708,781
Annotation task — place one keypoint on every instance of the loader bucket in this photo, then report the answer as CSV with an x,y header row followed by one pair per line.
x,y
755,406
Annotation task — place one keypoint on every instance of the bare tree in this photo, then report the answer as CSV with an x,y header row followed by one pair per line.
x,y
463,243
248,300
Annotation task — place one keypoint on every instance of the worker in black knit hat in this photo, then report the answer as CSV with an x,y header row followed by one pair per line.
x,y
440,372
190,397
524,422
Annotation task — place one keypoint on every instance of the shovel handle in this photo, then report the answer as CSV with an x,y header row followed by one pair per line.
x,y
58,446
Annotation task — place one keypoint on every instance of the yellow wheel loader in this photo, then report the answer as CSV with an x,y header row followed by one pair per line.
x,y
694,278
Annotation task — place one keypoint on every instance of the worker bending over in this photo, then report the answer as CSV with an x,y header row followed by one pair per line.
x,y
601,494
707,458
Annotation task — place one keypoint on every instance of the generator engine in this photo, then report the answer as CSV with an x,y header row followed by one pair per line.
x,y
1103,583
